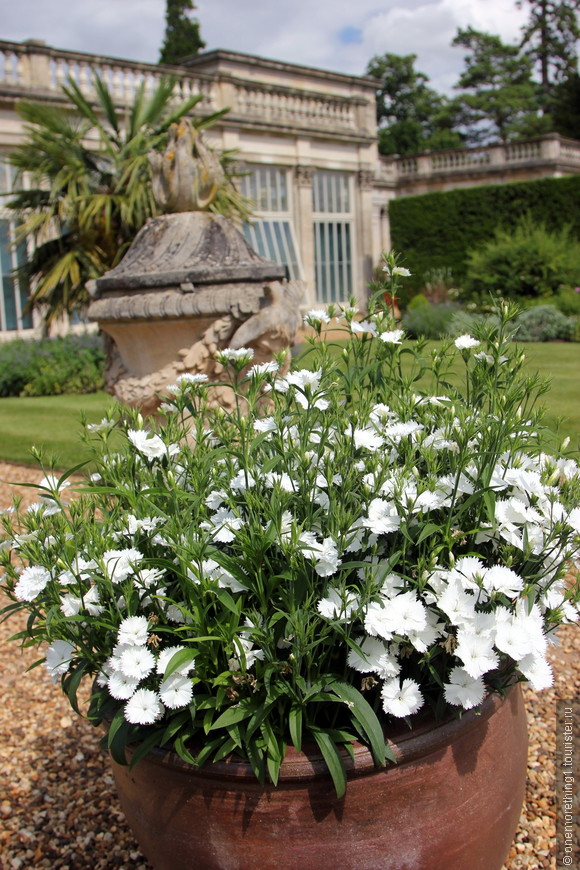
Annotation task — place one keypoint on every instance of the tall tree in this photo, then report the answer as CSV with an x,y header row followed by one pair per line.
x,y
498,99
550,38
182,36
89,189
411,115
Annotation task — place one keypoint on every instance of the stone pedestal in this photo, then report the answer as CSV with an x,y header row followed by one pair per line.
x,y
189,285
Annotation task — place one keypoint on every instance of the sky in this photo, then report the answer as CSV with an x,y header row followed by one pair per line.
x,y
338,35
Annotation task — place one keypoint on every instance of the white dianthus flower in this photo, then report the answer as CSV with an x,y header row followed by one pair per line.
x,y
176,691
463,690
143,708
32,582
151,447
394,336
119,564
382,517
133,631
401,699
58,656
465,342
120,686
336,606
137,662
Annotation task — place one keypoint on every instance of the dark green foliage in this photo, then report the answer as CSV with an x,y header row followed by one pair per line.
x,y
498,100
73,364
411,115
436,230
429,321
544,323
527,264
182,37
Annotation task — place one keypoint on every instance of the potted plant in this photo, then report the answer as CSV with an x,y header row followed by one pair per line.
x,y
307,618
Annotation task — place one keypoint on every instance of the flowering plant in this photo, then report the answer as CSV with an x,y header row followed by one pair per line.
x,y
360,540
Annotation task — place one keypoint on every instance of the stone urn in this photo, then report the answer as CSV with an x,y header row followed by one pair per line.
x,y
189,285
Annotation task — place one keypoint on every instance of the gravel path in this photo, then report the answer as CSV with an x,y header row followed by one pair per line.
x,y
58,807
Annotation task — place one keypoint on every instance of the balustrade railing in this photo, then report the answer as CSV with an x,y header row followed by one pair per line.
x,y
31,68
551,149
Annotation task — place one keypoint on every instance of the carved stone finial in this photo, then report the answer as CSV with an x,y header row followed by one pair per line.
x,y
187,176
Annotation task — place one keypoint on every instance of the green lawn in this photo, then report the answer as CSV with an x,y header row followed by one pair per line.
x,y
50,422
53,422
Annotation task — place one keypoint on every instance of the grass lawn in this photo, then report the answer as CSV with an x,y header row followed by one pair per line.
x,y
50,422
53,422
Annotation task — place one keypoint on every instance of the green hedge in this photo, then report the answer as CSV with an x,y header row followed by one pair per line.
x,y
435,230
50,367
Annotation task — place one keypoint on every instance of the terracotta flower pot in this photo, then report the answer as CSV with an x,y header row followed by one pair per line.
x,y
451,803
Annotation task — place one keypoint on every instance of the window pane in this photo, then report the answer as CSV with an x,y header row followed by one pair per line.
x,y
275,241
332,256
8,288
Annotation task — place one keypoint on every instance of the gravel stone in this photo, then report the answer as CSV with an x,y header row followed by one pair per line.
x,y
58,806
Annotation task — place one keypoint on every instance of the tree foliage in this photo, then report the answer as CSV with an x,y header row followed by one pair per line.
x,y
411,115
550,37
182,36
88,188
498,99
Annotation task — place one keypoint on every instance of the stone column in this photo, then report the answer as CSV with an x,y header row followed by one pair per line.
x,y
303,176
364,226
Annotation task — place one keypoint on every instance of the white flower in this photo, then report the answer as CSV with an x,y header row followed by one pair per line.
x,y
463,690
325,554
335,605
476,652
382,517
119,564
239,355
265,368
144,708
395,336
192,378
32,582
368,439
223,525
284,481
537,670
133,631
401,699
120,686
502,579
136,662
265,424
58,657
176,691
316,316
376,659
465,342
399,615
151,447
360,326
165,657
100,427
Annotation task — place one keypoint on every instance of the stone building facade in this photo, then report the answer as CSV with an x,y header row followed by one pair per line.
x,y
306,139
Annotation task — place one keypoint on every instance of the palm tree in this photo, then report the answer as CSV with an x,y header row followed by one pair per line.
x,y
88,186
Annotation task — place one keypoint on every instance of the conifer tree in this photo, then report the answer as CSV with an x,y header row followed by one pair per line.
x,y
182,36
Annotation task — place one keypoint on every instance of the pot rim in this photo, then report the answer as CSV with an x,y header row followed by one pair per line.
x,y
408,746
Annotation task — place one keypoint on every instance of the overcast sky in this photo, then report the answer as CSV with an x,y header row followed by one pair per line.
x,y
339,35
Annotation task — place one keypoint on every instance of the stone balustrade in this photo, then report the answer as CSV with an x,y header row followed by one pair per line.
x,y
33,70
548,149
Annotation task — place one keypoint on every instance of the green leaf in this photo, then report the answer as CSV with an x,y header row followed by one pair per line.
x,y
332,760
295,723
364,714
144,748
242,710
177,660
